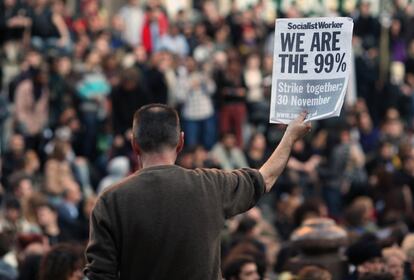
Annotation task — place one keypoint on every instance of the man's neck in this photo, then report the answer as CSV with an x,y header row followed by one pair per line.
x,y
156,159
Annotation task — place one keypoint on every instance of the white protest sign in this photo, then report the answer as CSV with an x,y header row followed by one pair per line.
x,y
311,66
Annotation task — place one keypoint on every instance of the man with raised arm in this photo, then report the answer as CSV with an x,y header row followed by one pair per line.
x,y
164,221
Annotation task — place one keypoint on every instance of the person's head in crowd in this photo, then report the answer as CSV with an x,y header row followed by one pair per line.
x,y
395,259
102,44
253,61
8,3
222,35
174,30
29,244
228,140
288,203
31,163
46,215
397,74
234,69
200,30
32,60
90,8
201,158
60,150
63,65
186,158
299,147
69,118
40,76
140,54
41,3
17,144
62,262
191,64
210,11
80,49
387,150
345,134
12,210
365,254
247,227
393,128
111,63
257,142
396,28
156,130
22,185
134,2
360,212
58,7
314,273
310,208
365,8
241,268
154,12
365,122
29,267
130,79
220,60
392,114
72,193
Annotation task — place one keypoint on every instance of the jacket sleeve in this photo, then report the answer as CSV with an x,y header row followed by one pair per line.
x,y
240,189
101,252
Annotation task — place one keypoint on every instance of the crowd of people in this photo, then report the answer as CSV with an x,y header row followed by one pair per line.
x,y
71,80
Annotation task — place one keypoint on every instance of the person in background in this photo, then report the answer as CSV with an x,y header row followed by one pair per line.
x,y
132,16
47,219
118,168
7,272
13,157
232,91
227,154
241,268
49,29
256,151
32,106
63,262
395,259
69,213
256,102
194,93
155,26
58,172
92,91
126,98
174,42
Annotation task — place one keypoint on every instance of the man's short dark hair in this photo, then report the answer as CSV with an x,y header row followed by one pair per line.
x,y
233,268
156,126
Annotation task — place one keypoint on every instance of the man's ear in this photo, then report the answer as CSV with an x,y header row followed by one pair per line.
x,y
180,144
135,146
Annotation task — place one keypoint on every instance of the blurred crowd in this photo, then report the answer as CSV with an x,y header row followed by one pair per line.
x,y
71,79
